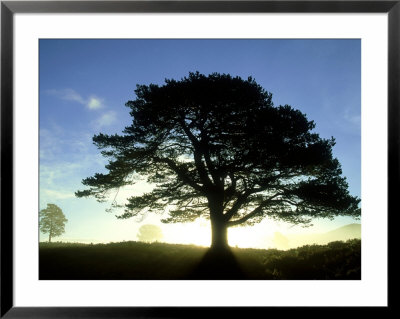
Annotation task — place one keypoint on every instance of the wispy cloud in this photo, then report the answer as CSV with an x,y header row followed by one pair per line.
x,y
106,119
61,173
60,179
352,118
56,195
92,102
55,143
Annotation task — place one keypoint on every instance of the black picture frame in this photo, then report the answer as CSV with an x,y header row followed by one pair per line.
x,y
9,8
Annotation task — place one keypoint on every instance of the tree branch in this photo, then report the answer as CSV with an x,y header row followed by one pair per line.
x,y
254,212
197,156
242,199
230,190
181,173
213,172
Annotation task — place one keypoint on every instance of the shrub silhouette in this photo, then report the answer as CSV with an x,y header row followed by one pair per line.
x,y
139,260
336,260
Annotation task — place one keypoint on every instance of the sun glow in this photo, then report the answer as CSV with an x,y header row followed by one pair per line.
x,y
199,233
257,236
196,233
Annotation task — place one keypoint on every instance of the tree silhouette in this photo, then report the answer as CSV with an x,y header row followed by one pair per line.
x,y
149,233
52,221
216,146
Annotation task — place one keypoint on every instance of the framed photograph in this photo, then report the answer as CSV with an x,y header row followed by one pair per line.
x,y
161,158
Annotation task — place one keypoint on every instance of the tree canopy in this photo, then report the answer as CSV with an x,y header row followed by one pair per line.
x,y
52,221
216,146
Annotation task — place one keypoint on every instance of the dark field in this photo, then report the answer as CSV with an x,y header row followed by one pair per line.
x,y
146,261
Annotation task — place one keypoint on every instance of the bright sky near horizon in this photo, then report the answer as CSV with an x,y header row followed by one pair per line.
x,y
84,85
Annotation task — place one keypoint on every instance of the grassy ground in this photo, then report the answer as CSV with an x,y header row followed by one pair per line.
x,y
147,261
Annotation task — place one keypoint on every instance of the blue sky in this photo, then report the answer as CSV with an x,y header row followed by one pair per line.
x,y
84,85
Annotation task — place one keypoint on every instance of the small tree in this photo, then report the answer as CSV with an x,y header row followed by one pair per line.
x,y
52,221
217,147
149,233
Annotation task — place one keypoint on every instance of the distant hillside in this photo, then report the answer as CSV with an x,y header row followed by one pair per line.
x,y
344,233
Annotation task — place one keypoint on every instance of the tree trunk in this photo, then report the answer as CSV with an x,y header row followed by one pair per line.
x,y
219,234
219,229
51,230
